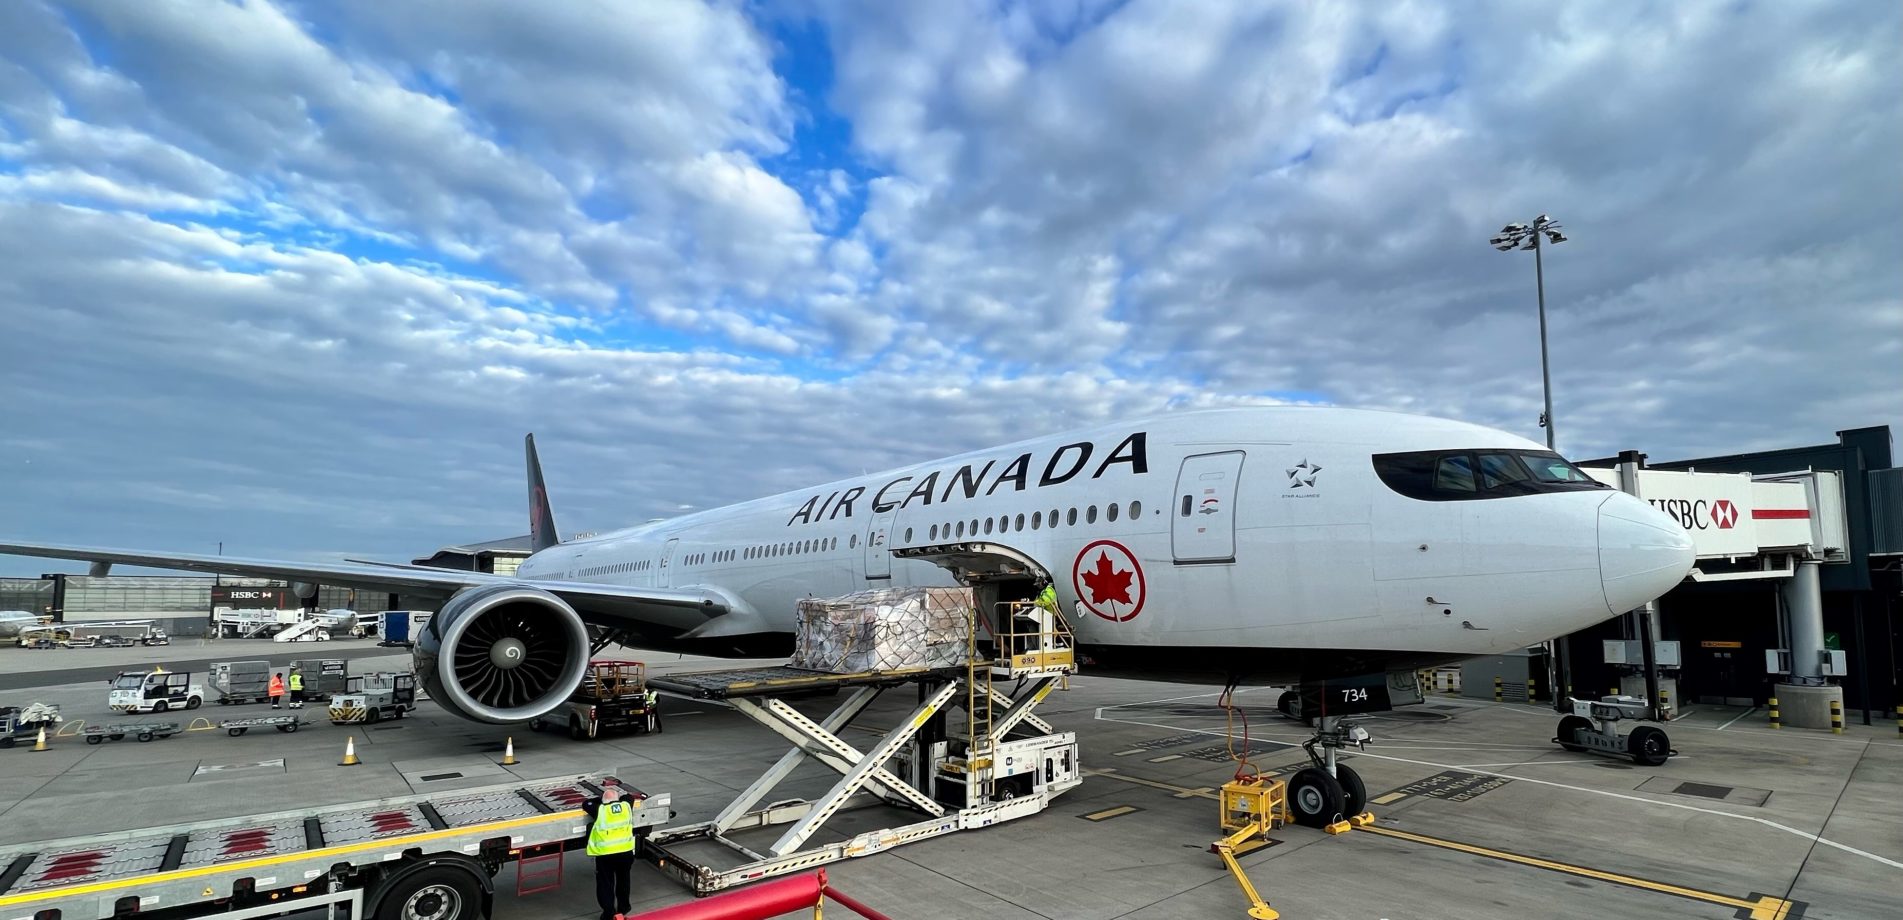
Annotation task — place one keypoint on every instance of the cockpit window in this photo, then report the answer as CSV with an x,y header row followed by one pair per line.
x,y
1467,475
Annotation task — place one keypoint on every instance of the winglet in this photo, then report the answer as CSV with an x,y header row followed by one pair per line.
x,y
542,533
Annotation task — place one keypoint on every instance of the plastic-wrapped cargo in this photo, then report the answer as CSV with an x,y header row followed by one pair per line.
x,y
884,630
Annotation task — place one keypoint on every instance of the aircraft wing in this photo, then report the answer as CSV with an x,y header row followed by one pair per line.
x,y
598,604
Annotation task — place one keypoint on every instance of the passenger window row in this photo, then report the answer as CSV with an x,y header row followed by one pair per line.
x,y
797,548
1005,523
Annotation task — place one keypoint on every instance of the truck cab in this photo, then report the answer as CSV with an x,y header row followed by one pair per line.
x,y
374,697
154,691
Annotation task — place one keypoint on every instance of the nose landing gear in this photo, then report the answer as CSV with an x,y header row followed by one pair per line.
x,y
1330,794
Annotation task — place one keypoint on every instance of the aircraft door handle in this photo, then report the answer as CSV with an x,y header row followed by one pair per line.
x,y
1186,501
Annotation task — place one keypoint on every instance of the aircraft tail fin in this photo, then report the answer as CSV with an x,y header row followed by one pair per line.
x,y
542,532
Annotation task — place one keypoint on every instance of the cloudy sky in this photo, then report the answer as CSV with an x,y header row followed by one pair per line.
x,y
298,277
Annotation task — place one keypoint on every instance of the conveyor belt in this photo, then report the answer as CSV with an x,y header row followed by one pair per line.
x,y
720,685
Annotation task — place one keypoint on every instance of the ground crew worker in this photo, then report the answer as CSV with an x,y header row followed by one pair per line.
x,y
277,689
297,688
611,843
651,703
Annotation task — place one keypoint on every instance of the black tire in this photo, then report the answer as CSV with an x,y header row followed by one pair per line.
x,y
161,706
1315,798
535,725
1648,746
373,715
1354,793
1569,729
1285,704
7,742
95,739
193,703
288,727
442,892
146,736
234,732
575,729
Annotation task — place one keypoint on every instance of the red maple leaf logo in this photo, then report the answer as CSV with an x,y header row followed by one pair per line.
x,y
1106,585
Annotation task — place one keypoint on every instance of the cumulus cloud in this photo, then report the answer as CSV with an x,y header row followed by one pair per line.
x,y
294,276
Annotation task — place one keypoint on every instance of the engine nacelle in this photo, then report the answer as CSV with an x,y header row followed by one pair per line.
x,y
502,653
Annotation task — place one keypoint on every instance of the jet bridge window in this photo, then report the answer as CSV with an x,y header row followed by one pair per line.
x,y
1470,475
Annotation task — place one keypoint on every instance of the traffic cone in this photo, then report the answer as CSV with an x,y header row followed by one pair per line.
x,y
40,744
350,753
508,753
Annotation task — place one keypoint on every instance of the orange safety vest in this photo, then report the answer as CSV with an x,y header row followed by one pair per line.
x,y
277,685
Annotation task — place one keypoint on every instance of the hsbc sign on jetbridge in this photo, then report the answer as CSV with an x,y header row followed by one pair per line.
x,y
1732,514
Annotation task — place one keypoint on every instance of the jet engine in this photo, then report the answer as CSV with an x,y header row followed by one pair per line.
x,y
502,653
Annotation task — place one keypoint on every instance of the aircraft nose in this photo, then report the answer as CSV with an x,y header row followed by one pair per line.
x,y
1642,553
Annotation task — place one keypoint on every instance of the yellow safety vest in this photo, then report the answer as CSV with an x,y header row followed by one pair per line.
x,y
297,682
1047,598
613,831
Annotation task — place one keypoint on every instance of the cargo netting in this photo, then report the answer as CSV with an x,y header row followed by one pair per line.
x,y
884,630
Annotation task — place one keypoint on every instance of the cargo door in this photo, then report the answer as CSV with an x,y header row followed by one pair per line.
x,y
1205,513
878,540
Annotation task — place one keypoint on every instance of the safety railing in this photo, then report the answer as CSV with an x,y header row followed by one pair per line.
x,y
1032,640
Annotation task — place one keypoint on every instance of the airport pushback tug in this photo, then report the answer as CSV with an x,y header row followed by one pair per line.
x,y
997,763
1591,727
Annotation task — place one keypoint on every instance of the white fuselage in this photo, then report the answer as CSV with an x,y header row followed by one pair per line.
x,y
1255,528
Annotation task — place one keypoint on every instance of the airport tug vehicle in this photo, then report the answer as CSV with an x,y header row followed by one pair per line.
x,y
374,698
416,857
612,696
1591,728
157,690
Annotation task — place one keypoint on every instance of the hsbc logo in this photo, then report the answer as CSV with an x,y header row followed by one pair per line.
x,y
1724,514
1717,514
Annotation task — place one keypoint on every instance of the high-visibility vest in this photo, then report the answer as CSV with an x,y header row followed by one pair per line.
x,y
613,831
650,699
297,682
1047,598
277,685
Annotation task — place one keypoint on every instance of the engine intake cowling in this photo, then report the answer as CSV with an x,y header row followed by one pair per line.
x,y
502,653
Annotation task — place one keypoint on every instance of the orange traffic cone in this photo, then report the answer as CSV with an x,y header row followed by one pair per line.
x,y
508,753
40,743
350,753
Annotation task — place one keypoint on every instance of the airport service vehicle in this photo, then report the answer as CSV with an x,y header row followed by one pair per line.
x,y
22,725
416,857
1591,728
156,637
115,642
612,697
154,691
400,627
373,698
237,727
1270,545
44,642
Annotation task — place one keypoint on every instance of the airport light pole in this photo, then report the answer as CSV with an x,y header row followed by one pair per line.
x,y
1524,237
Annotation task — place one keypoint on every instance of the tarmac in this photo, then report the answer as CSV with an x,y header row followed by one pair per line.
x,y
1479,815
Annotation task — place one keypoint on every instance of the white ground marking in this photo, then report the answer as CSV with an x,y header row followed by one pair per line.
x,y
1527,779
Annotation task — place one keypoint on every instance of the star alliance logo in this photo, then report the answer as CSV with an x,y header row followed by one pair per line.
x,y
1302,475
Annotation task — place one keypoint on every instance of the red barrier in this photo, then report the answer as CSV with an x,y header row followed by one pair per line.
x,y
854,905
754,902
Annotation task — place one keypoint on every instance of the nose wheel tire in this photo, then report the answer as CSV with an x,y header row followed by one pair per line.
x,y
1354,793
1569,729
1317,798
1649,746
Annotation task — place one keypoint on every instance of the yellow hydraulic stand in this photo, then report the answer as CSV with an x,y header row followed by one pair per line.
x,y
1251,807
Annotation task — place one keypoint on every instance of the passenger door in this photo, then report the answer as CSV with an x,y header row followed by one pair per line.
x,y
878,540
1204,529
665,577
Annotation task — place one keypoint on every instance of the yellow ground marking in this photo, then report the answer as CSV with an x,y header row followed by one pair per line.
x,y
1181,792
1109,813
1763,907
1390,798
